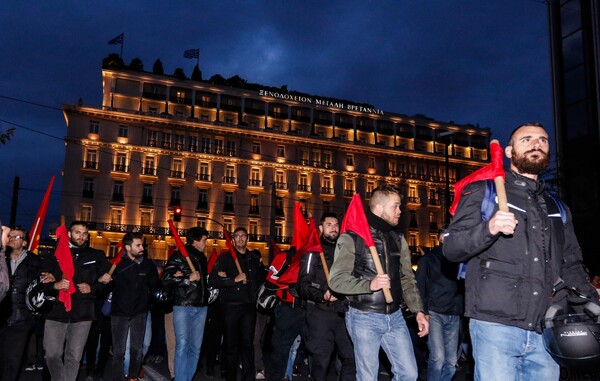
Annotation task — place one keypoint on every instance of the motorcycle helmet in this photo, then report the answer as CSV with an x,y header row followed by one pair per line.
x,y
572,336
40,299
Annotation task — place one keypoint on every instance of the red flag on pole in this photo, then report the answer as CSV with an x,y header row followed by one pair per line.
x,y
116,260
65,262
38,222
356,221
301,230
492,171
180,245
212,259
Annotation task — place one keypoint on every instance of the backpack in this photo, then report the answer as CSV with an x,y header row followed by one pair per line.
x,y
282,276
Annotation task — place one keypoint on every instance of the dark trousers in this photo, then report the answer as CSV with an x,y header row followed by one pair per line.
x,y
13,342
100,332
136,326
289,323
213,334
326,332
239,339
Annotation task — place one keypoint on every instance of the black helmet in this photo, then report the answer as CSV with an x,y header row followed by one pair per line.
x,y
573,339
40,299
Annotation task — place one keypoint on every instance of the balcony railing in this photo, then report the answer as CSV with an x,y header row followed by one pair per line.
x,y
151,143
348,192
177,174
120,168
229,180
150,171
90,164
303,187
254,182
326,190
413,200
280,185
203,177
253,210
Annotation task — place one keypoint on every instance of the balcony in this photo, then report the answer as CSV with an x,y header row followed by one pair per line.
x,y
150,171
326,190
193,148
254,210
303,188
304,162
120,168
413,200
179,146
88,194
203,177
229,180
90,164
281,185
151,143
348,192
231,151
327,165
434,202
254,183
166,145
177,174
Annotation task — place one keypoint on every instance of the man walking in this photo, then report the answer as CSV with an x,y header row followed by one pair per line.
x,y
134,279
325,310
443,304
514,258
371,321
66,330
190,302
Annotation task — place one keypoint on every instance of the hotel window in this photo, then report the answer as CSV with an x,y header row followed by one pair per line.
x,y
433,240
202,199
279,230
228,223
370,187
193,143
152,110
304,157
121,162
201,222
204,171
371,162
116,216
166,140
88,187
91,159
316,158
256,147
348,187
149,166
175,196
219,146
230,174
152,138
303,183
412,168
279,206
412,194
280,151
392,168
94,127
113,249
123,131
180,96
146,218
228,202
327,159
254,203
413,239
253,228
204,145
205,101
280,179
177,168
349,160
179,141
117,191
230,148
86,213
327,185
147,194
255,177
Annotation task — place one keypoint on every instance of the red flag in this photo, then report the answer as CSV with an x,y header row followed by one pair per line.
x,y
301,230
229,244
178,241
116,260
494,169
65,262
356,220
212,259
38,222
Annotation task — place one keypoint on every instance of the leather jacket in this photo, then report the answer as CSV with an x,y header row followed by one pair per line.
x,y
186,293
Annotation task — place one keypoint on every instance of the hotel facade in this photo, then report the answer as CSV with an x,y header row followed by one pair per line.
x,y
243,155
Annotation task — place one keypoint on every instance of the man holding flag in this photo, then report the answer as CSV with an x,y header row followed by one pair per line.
x,y
372,267
514,258
79,268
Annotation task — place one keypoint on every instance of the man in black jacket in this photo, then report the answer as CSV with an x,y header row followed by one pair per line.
x,y
65,332
513,261
134,279
16,321
237,295
190,302
325,310
443,304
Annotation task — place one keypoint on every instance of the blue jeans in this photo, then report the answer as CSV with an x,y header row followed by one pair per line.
x,y
289,370
503,352
369,331
189,330
443,346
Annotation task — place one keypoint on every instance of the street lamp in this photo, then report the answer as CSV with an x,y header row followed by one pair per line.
x,y
445,138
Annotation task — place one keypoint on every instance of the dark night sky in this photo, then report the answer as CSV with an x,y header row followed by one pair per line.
x,y
467,61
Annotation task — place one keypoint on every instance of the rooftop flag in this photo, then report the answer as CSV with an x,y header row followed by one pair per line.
x,y
192,53
117,40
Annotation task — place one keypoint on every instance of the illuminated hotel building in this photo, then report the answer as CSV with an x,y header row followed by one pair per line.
x,y
243,155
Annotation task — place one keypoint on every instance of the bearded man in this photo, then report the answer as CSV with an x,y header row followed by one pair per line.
x,y
514,259
66,332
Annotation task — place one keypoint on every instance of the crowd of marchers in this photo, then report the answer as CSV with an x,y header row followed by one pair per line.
x,y
354,307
